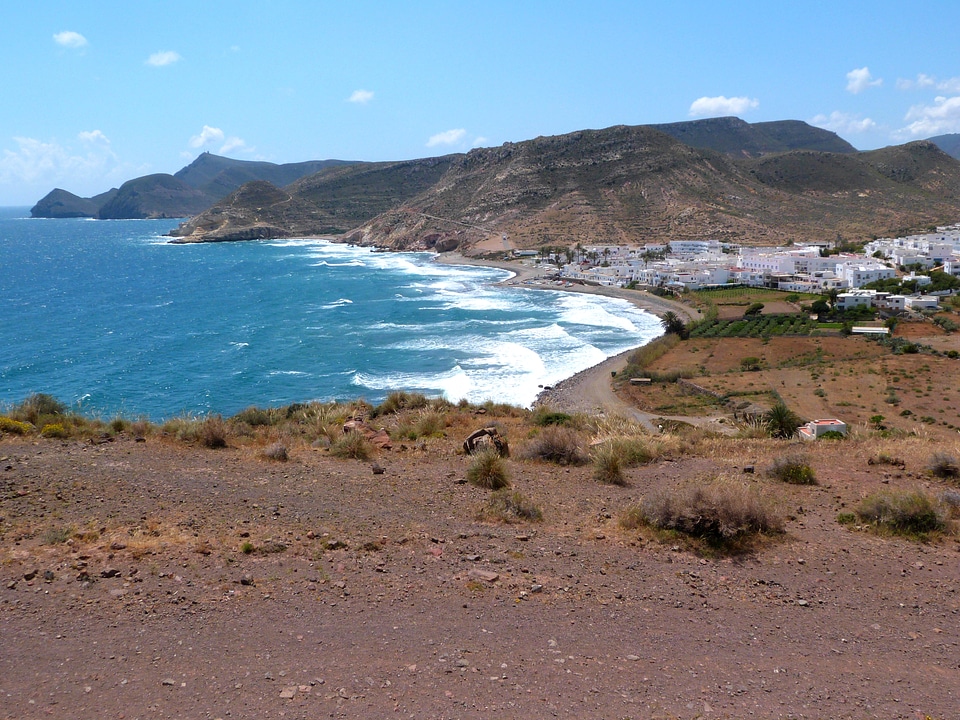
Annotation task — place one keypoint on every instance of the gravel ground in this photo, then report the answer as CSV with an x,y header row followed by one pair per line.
x,y
201,583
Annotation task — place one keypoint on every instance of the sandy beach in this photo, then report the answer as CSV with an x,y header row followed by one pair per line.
x,y
588,390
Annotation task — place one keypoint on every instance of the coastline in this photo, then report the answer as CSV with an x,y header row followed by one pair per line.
x,y
588,390
524,275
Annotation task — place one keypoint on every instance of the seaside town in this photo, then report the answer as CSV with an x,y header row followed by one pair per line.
x,y
816,268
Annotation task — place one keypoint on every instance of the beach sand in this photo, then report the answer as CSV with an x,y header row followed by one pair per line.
x,y
589,390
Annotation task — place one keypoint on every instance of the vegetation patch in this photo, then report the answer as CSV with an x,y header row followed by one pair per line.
x,y
909,513
793,469
559,445
756,326
488,470
509,507
723,515
944,466
15,427
276,451
55,430
352,446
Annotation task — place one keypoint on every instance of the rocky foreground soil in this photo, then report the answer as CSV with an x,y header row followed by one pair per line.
x,y
150,580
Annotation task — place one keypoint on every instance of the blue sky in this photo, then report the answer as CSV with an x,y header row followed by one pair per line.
x,y
95,93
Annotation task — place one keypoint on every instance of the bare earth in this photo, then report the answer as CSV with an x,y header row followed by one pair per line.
x,y
373,595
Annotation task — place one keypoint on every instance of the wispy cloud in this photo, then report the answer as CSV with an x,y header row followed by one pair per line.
x,y
448,137
361,97
925,82
845,123
163,58
721,105
207,136
481,142
48,164
70,39
215,136
93,136
860,79
938,119
235,144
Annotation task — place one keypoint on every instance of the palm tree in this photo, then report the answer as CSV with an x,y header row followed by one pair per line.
x,y
782,421
672,324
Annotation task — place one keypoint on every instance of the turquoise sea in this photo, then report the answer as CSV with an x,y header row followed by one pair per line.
x,y
110,318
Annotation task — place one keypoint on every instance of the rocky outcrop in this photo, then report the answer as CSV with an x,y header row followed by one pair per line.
x,y
62,204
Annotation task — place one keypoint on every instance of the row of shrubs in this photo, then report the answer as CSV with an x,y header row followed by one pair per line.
x,y
762,326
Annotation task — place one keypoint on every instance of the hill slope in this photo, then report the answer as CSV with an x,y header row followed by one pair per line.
x,y
332,201
733,136
950,144
191,190
636,184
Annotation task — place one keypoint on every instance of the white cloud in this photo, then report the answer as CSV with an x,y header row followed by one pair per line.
x,y
860,79
951,85
35,167
481,141
93,136
234,143
70,39
938,119
924,81
721,105
361,97
207,136
448,137
844,123
163,58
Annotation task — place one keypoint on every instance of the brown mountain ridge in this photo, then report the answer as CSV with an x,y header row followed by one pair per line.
x,y
624,184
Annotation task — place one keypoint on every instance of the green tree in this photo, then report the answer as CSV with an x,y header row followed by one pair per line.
x,y
672,324
782,421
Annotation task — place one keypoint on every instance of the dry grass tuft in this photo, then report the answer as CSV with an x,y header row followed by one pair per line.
x,y
276,451
909,513
488,470
725,515
794,469
944,466
559,445
352,446
509,506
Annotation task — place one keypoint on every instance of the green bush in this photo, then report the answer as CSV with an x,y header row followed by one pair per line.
x,y
488,470
912,514
544,416
400,400
37,406
14,427
793,469
509,506
352,446
782,421
55,430
254,416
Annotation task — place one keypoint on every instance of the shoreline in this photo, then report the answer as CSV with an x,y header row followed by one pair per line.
x,y
588,390
523,274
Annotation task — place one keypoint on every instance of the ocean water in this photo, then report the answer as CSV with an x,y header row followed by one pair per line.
x,y
111,319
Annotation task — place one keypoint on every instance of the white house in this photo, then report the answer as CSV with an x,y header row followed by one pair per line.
x,y
815,428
